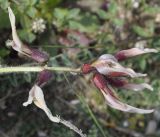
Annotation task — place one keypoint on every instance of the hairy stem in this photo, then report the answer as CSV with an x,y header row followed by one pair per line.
x,y
37,69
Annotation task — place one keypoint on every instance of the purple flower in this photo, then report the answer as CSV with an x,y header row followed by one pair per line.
x,y
109,73
17,44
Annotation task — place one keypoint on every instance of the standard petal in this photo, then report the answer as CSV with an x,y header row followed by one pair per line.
x,y
114,69
124,54
17,42
116,104
36,96
107,57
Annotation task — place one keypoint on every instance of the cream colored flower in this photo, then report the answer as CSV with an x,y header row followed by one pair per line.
x,y
36,96
38,25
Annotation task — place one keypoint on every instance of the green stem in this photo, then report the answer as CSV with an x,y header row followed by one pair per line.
x,y
36,69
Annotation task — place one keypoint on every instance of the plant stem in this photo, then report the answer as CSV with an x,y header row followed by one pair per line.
x,y
37,69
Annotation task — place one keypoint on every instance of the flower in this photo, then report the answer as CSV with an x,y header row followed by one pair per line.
x,y
36,95
17,44
38,25
108,73
125,54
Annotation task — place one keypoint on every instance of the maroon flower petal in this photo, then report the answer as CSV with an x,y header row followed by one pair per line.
x,y
101,83
39,56
117,82
123,83
125,54
111,99
43,77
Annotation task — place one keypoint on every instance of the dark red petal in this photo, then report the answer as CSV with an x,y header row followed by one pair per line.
x,y
118,74
99,81
117,82
43,77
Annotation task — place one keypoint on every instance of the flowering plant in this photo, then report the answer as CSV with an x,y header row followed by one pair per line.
x,y
107,73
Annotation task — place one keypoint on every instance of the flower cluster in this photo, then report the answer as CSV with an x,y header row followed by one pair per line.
x,y
108,73
38,25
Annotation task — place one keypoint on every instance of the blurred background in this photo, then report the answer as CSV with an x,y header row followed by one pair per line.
x,y
74,32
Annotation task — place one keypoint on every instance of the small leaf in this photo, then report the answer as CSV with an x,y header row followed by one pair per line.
x,y
73,13
60,13
27,36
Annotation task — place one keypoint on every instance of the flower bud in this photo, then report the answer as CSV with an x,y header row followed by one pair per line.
x,y
87,68
43,77
39,56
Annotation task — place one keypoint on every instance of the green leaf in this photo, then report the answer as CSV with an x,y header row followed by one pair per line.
x,y
4,52
102,14
76,25
32,11
25,22
27,36
151,9
143,64
73,13
60,13
113,8
4,21
27,77
33,2
142,31
4,4
118,22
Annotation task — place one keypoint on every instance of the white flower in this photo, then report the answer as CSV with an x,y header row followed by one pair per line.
x,y
135,3
38,25
36,96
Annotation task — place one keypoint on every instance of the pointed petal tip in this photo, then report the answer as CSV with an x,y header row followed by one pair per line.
x,y
149,87
11,15
138,110
25,104
9,9
117,104
151,50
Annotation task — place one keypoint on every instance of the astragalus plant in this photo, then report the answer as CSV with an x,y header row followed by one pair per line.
x,y
107,72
